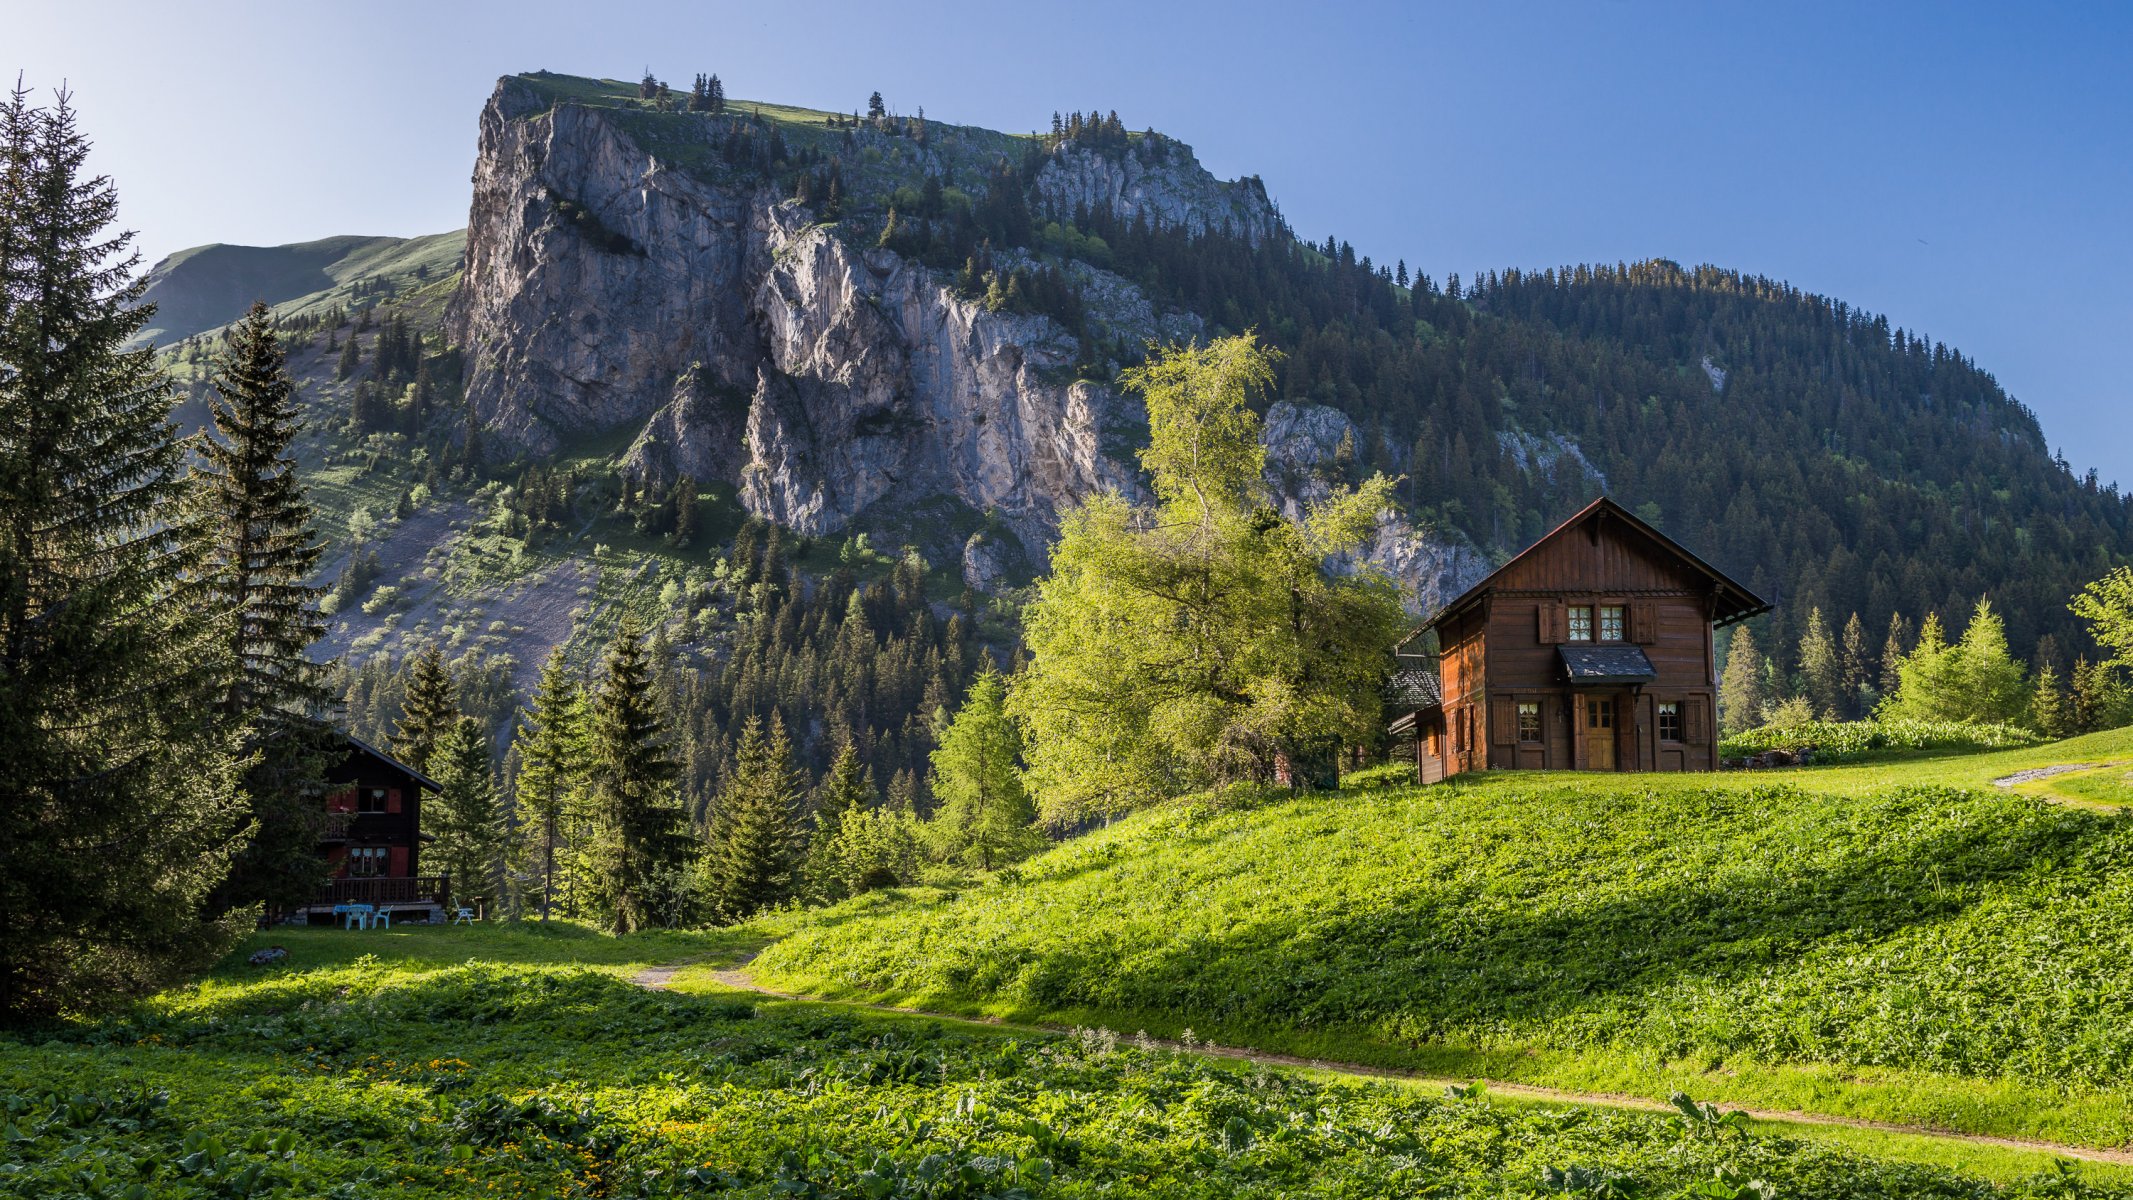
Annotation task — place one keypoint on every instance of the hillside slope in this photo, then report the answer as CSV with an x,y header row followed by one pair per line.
x,y
1957,955
207,287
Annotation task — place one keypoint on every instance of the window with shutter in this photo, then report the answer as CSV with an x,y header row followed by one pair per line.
x,y
1692,714
1503,727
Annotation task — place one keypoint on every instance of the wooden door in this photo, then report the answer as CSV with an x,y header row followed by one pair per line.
x,y
1599,732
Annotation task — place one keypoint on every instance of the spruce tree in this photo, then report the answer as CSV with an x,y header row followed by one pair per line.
x,y
464,816
257,553
2047,704
985,816
633,798
351,359
116,784
1857,669
755,837
847,789
1740,689
1821,675
551,777
430,711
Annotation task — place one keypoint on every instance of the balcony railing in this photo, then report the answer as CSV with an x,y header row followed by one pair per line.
x,y
388,889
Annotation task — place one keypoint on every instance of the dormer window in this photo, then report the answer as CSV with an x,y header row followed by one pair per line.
x,y
1581,622
1610,622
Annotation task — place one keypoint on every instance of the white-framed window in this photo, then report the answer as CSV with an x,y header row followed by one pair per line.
x,y
1580,623
1610,622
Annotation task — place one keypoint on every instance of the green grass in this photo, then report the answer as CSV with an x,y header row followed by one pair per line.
x,y
1860,741
1855,941
522,1063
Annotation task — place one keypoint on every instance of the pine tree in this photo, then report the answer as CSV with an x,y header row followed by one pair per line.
x,y
755,838
1856,669
116,785
716,92
847,789
875,109
1893,651
632,800
464,816
985,816
2047,704
431,710
1821,675
1741,698
351,359
551,745
258,551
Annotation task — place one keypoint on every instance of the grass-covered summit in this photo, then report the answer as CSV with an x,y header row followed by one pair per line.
x,y
1869,940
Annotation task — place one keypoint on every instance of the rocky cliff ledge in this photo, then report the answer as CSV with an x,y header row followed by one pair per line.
x,y
741,339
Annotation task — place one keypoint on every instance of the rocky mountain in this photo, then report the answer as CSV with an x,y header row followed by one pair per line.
x,y
909,330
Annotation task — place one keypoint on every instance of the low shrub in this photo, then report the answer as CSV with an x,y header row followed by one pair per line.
x,y
1852,741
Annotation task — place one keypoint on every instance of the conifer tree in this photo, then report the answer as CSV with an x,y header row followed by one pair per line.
x,y
257,553
755,837
551,745
1821,676
1740,689
351,359
1893,651
985,816
1856,669
464,815
430,712
633,801
847,789
2047,703
116,784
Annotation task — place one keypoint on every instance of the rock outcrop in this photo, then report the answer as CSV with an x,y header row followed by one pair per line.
x,y
1168,187
1305,459
752,344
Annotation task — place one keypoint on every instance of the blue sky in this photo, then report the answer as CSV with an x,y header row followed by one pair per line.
x,y
1965,169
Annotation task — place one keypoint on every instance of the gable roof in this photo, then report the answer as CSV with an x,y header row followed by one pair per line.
x,y
362,747
1412,688
1735,602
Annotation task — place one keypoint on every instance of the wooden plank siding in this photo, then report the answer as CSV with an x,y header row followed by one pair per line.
x,y
1500,649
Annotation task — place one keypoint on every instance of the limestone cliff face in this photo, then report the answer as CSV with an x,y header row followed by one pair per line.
x,y
594,277
1170,190
1304,458
750,344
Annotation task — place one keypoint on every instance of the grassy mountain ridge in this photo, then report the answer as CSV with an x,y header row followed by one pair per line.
x,y
204,288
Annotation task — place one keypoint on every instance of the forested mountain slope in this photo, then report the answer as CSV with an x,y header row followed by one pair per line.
x,y
671,320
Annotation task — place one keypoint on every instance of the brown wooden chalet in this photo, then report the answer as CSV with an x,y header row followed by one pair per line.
x,y
1591,650
372,840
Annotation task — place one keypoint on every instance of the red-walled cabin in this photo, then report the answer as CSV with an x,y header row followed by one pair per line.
x,y
1591,651
373,836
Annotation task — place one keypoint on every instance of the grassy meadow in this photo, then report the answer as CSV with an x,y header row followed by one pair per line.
x,y
498,1062
1896,940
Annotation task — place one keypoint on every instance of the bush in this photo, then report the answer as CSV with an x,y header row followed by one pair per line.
x,y
1851,741
1384,775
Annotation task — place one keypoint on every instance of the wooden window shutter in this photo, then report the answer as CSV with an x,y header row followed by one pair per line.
x,y
1692,720
1503,721
1644,622
1553,622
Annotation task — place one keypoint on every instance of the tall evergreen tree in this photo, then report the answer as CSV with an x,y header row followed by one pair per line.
x,y
1856,667
116,784
847,789
633,800
464,816
1821,674
432,708
756,838
2047,703
1893,651
1741,699
985,816
258,551
551,745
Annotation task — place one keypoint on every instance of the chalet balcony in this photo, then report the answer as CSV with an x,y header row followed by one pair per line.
x,y
387,889
364,827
